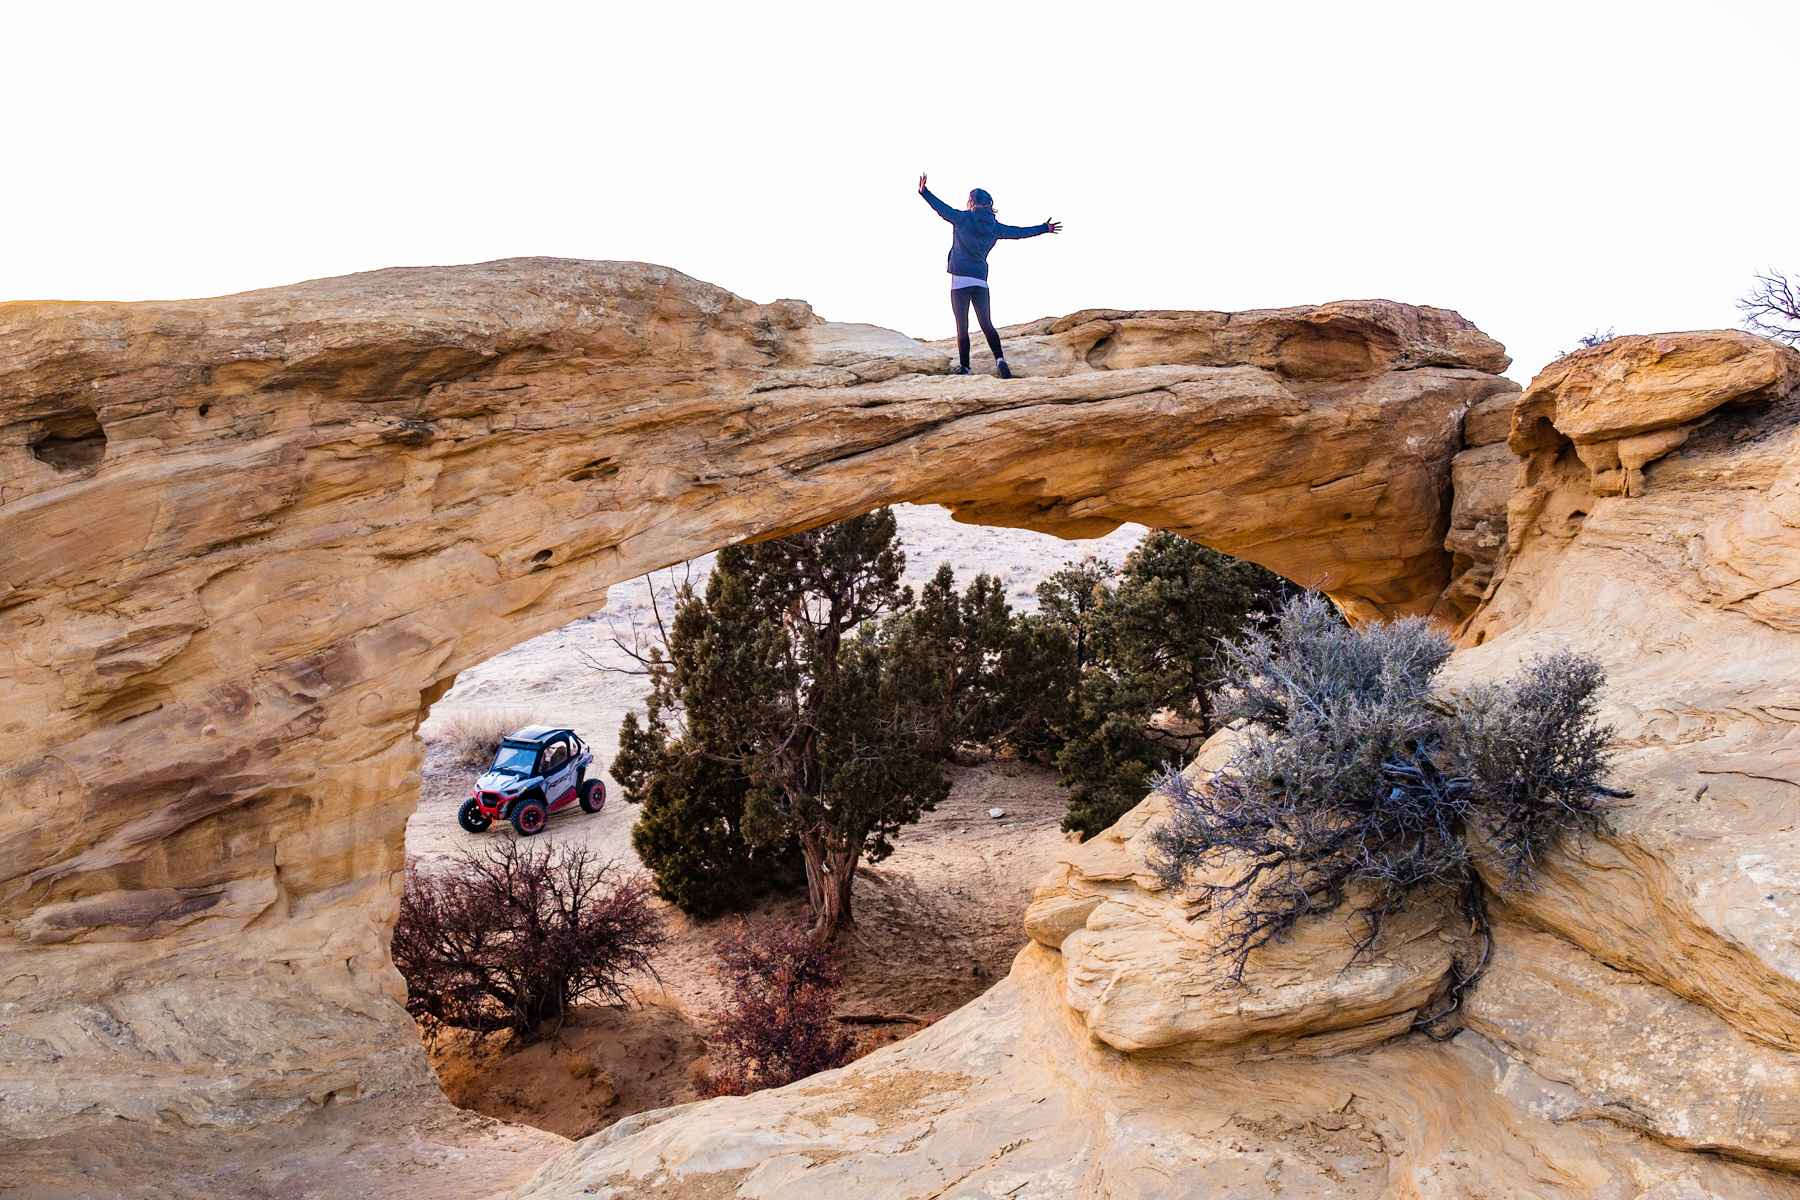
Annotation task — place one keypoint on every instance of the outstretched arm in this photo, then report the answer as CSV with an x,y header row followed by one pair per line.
x,y
1025,231
938,206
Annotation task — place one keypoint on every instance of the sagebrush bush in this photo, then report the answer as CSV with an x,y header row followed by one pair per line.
x,y
512,937
473,735
1537,754
1354,783
776,1023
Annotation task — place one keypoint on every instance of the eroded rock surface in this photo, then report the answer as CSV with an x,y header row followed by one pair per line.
x,y
1698,886
1010,1097
245,542
1482,477
1635,1035
1143,970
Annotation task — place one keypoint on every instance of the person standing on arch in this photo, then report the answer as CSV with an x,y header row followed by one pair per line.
x,y
974,232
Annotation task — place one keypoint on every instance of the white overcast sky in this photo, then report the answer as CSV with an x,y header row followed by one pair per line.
x,y
1544,168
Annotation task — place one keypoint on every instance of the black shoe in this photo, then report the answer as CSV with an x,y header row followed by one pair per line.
x,y
1002,370
959,370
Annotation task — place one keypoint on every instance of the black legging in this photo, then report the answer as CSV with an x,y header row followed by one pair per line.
x,y
960,299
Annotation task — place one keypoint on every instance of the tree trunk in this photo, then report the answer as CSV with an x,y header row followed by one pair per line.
x,y
812,853
843,875
830,873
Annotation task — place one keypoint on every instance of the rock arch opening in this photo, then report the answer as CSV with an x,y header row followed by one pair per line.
x,y
937,923
222,638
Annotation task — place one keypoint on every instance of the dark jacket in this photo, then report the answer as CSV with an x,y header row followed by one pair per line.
x,y
975,232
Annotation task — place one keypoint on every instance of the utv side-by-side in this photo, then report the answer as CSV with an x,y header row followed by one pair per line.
x,y
539,770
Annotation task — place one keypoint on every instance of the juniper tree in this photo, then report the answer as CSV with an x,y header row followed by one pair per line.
x,y
955,640
992,677
1071,600
690,828
784,673
1035,688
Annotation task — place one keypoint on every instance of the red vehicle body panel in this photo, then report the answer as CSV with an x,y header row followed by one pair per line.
x,y
493,802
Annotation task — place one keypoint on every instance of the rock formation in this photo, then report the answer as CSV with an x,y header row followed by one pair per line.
x,y
1635,1036
244,543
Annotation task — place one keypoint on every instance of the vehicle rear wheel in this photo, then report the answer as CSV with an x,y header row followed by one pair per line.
x,y
471,818
593,796
530,816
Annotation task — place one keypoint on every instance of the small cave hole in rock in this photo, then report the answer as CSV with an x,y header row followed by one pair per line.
x,y
1100,352
600,468
72,441
205,408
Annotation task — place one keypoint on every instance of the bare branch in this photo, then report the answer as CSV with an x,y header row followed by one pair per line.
x,y
1772,307
647,656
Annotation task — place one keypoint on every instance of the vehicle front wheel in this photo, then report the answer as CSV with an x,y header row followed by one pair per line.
x,y
593,796
529,817
471,818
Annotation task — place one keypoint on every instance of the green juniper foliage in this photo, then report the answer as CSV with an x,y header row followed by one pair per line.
x,y
1071,600
1354,784
803,710
690,830
1146,650
993,678
802,720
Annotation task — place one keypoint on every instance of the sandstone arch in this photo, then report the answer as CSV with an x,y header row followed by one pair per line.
x,y
1637,1032
270,529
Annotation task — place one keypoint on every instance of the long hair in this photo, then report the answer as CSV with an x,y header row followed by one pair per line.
x,y
983,200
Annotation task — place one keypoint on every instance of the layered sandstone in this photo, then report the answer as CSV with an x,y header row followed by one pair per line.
x,y
1143,969
245,543
1635,1035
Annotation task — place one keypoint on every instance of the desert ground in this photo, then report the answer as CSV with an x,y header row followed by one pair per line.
x,y
936,923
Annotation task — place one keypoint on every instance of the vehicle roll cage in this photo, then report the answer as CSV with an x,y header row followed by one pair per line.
x,y
540,746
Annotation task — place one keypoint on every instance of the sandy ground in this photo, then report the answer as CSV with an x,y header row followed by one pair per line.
x,y
603,1064
936,924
